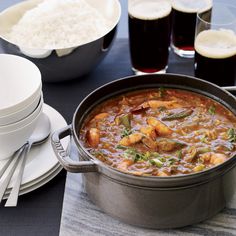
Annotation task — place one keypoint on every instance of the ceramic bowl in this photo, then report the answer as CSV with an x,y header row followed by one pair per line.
x,y
13,136
62,64
22,122
20,114
20,88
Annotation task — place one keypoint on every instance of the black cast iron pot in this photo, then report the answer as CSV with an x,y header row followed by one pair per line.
x,y
153,202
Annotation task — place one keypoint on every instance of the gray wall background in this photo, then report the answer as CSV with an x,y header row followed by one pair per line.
x,y
123,25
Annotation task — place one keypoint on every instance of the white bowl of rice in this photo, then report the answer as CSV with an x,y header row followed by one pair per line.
x,y
66,39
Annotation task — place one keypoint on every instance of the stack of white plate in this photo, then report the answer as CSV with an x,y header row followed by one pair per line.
x,y
21,104
42,164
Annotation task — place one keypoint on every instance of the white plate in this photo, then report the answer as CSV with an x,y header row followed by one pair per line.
x,y
39,182
42,164
42,182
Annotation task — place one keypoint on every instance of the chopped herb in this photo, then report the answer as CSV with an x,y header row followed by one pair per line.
x,y
134,154
125,120
179,154
156,162
179,144
171,161
126,132
99,154
203,150
162,92
156,159
203,139
179,115
128,153
212,110
121,147
231,135
155,154
162,108
147,155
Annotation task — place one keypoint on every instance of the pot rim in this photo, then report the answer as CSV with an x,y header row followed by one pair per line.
x,y
108,170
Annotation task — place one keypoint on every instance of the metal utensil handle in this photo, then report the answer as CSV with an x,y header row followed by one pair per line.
x,y
4,183
230,88
63,157
14,194
2,171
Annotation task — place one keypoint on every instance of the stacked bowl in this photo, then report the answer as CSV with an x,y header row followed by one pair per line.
x,y
21,102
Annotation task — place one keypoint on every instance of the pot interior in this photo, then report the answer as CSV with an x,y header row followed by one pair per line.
x,y
134,83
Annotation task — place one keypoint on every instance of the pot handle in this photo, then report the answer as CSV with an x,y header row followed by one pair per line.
x,y
63,157
230,88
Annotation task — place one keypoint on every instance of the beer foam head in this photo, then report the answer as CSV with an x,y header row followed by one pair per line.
x,y
192,6
216,43
150,9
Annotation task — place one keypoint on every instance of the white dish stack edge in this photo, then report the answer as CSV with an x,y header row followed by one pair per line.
x,y
21,102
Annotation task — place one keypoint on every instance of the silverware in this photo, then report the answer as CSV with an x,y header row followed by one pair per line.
x,y
4,182
2,171
40,135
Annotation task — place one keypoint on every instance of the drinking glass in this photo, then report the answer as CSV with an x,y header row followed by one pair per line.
x,y
184,22
149,35
215,45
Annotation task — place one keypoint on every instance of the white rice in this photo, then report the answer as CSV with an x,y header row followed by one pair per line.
x,y
55,24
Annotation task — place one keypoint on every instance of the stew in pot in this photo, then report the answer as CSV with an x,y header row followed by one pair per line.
x,y
160,132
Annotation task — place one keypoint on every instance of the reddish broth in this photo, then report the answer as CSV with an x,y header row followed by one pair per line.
x,y
160,132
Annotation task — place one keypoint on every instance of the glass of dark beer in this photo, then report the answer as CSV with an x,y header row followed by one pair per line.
x,y
215,45
184,22
149,35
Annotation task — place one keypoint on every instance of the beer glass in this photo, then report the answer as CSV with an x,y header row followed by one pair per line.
x,y
215,45
184,22
149,35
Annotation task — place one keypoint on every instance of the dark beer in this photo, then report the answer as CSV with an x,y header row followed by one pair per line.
x,y
215,57
149,36
184,22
